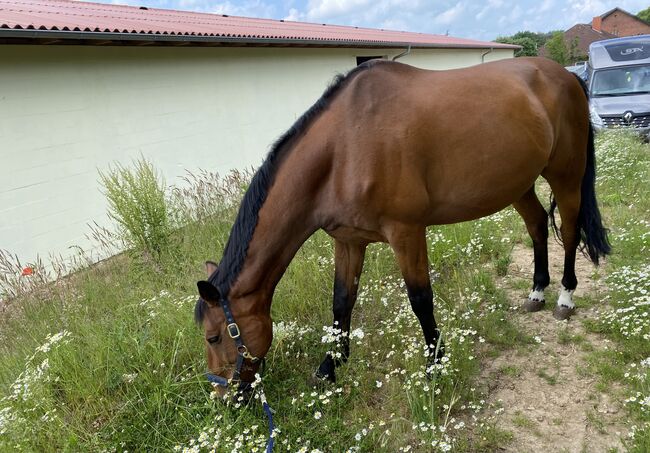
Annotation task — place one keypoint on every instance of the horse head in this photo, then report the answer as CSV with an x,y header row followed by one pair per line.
x,y
238,334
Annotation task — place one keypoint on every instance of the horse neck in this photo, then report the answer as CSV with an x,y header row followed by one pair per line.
x,y
285,222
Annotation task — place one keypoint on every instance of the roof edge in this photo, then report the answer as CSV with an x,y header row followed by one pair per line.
x,y
633,16
30,34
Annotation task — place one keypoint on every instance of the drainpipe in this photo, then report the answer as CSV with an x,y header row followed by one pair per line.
x,y
484,54
403,54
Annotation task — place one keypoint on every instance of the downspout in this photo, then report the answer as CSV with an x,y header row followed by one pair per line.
x,y
484,54
403,54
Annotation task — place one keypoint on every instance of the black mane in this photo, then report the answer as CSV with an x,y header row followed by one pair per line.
x,y
244,226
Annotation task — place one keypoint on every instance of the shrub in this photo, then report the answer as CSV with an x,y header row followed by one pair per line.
x,y
136,201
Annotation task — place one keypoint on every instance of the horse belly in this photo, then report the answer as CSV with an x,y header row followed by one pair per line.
x,y
480,190
476,173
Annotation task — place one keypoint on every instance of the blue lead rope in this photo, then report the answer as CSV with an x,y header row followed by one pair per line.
x,y
269,415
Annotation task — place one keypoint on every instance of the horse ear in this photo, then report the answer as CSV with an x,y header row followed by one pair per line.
x,y
210,267
208,292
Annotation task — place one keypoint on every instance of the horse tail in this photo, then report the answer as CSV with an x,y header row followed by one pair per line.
x,y
593,234
592,231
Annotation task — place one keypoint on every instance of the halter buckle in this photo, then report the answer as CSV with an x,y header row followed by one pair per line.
x,y
233,330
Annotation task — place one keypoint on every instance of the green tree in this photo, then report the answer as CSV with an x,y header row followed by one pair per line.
x,y
575,54
557,48
528,45
539,38
644,14
530,42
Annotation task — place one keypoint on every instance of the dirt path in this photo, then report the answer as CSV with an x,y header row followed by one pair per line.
x,y
543,394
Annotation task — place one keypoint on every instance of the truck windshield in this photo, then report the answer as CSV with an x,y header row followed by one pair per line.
x,y
621,81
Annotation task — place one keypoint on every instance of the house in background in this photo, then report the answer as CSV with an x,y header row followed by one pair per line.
x,y
615,23
620,23
84,85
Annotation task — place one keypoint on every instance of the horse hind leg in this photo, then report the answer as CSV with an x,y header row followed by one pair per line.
x,y
536,219
348,263
410,247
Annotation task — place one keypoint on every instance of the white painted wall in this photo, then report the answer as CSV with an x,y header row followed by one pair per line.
x,y
67,111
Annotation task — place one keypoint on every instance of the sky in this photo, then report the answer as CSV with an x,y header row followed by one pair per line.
x,y
483,20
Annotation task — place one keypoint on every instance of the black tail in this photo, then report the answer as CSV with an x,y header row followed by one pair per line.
x,y
593,234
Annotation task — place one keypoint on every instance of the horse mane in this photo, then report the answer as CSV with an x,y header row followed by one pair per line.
x,y
242,230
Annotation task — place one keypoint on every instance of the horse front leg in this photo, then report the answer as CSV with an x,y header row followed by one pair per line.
x,y
410,247
348,262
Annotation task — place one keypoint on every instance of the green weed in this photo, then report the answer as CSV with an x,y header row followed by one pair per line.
x,y
137,203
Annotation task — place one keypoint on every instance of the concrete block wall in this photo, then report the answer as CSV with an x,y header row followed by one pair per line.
x,y
68,111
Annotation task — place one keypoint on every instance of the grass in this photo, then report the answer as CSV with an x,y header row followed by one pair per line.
x,y
127,371
595,420
110,360
551,379
624,172
522,421
490,438
510,370
564,337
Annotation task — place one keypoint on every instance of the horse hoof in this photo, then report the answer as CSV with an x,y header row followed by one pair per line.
x,y
435,358
562,313
533,305
319,380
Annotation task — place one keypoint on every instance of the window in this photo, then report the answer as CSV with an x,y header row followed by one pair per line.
x,y
622,81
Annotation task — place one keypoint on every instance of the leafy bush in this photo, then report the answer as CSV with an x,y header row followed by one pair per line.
x,y
136,199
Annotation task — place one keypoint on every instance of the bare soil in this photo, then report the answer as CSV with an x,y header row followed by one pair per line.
x,y
544,394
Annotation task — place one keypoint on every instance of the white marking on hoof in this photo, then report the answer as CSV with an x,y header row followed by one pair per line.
x,y
566,298
536,295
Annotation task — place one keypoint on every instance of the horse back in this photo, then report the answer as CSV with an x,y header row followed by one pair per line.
x,y
433,147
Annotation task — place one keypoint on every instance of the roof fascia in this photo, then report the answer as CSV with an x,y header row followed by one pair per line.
x,y
232,41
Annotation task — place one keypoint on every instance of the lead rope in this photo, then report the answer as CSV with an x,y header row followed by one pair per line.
x,y
269,415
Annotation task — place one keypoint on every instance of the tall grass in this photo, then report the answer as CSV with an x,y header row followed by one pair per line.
x,y
137,203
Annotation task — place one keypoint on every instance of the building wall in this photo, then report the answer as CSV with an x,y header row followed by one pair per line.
x,y
621,24
68,111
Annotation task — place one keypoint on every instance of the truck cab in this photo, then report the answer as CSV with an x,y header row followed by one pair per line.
x,y
619,84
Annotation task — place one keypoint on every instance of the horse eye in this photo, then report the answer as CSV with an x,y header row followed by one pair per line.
x,y
214,340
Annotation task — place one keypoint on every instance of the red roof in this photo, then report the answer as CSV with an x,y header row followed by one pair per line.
x,y
84,20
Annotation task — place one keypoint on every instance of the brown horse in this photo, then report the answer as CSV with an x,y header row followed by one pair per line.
x,y
386,151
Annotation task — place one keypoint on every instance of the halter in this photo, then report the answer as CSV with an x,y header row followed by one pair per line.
x,y
242,354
